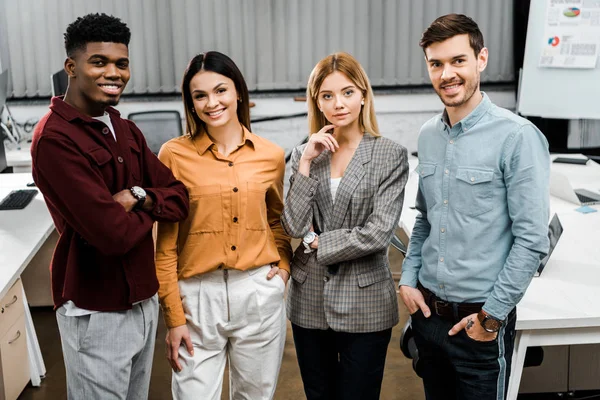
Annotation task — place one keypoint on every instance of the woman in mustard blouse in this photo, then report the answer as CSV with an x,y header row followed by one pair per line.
x,y
223,270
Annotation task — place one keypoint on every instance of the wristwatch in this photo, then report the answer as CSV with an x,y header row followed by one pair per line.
x,y
308,239
140,195
489,323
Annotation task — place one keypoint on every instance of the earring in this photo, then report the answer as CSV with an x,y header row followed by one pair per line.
x,y
240,100
362,102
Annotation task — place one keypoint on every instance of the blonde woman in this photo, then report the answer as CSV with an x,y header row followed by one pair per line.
x,y
223,270
345,198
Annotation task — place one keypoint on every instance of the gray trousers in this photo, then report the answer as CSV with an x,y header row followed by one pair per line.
x,y
108,355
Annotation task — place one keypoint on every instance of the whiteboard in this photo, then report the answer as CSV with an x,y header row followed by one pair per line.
x,y
554,92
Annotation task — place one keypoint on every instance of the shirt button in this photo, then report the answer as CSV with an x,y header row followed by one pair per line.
x,y
105,130
445,201
235,189
472,179
325,279
451,141
233,248
442,230
235,219
441,286
230,164
120,159
441,259
447,172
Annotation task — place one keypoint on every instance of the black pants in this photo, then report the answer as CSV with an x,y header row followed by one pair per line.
x,y
341,365
458,367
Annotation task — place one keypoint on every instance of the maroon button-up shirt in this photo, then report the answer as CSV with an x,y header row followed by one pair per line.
x,y
104,258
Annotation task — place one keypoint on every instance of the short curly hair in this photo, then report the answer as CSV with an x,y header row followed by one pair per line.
x,y
95,28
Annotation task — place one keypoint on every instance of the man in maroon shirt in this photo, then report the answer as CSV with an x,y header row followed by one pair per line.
x,y
104,189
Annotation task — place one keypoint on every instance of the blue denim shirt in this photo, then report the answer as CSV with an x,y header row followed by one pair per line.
x,y
483,200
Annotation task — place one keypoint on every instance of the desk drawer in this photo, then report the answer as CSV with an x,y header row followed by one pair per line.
x,y
14,361
11,307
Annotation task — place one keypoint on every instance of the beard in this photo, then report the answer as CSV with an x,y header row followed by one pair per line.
x,y
111,102
470,87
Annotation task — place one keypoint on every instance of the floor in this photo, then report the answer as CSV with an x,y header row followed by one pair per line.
x,y
400,382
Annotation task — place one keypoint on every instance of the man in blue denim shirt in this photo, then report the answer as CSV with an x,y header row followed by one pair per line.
x,y
483,200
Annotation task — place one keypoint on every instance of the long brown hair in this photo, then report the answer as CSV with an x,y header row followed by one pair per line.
x,y
349,66
221,64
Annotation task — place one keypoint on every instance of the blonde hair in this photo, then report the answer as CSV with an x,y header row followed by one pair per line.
x,y
349,66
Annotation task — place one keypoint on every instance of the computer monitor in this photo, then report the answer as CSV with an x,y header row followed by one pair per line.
x,y
3,95
3,89
555,230
3,163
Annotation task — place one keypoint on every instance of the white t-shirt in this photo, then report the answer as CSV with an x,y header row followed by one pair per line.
x,y
335,183
106,119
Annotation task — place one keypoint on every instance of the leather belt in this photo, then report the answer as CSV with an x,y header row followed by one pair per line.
x,y
446,309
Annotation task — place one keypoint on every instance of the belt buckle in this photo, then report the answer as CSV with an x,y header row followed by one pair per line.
x,y
441,303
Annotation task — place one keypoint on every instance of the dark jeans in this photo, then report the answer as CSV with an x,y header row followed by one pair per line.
x,y
458,367
341,365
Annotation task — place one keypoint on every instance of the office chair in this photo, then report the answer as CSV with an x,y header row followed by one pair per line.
x,y
59,83
158,127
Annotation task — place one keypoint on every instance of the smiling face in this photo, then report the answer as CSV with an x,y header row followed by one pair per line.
x,y
340,100
97,76
455,71
215,99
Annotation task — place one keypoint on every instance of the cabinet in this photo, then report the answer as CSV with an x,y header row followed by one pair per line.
x,y
14,360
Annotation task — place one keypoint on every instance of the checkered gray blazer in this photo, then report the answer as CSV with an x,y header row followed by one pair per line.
x,y
346,284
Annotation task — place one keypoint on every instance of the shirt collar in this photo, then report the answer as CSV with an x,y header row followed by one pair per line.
x,y
474,116
203,141
70,113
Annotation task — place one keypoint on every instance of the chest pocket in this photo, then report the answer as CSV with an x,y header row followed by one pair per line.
x,y
100,158
135,162
472,194
206,209
256,206
426,173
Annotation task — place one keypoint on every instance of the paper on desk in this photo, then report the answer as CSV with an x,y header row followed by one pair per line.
x,y
586,209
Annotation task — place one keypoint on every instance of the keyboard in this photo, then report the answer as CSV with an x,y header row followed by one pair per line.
x,y
585,199
18,199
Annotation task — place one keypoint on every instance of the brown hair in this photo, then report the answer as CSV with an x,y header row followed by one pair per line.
x,y
349,66
450,25
221,64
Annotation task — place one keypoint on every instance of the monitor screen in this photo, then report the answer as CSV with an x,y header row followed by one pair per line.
x,y
555,229
3,94
3,163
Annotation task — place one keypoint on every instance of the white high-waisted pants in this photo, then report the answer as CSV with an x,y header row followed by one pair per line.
x,y
234,314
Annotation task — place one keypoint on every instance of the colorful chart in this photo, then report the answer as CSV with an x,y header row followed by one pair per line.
x,y
553,41
571,12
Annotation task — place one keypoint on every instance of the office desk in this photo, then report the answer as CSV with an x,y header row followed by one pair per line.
x,y
22,232
562,306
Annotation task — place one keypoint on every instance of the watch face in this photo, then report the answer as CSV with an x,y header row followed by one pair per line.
x,y
490,325
310,237
138,192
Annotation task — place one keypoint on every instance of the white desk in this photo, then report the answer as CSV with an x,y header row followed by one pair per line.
x,y
22,232
562,306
